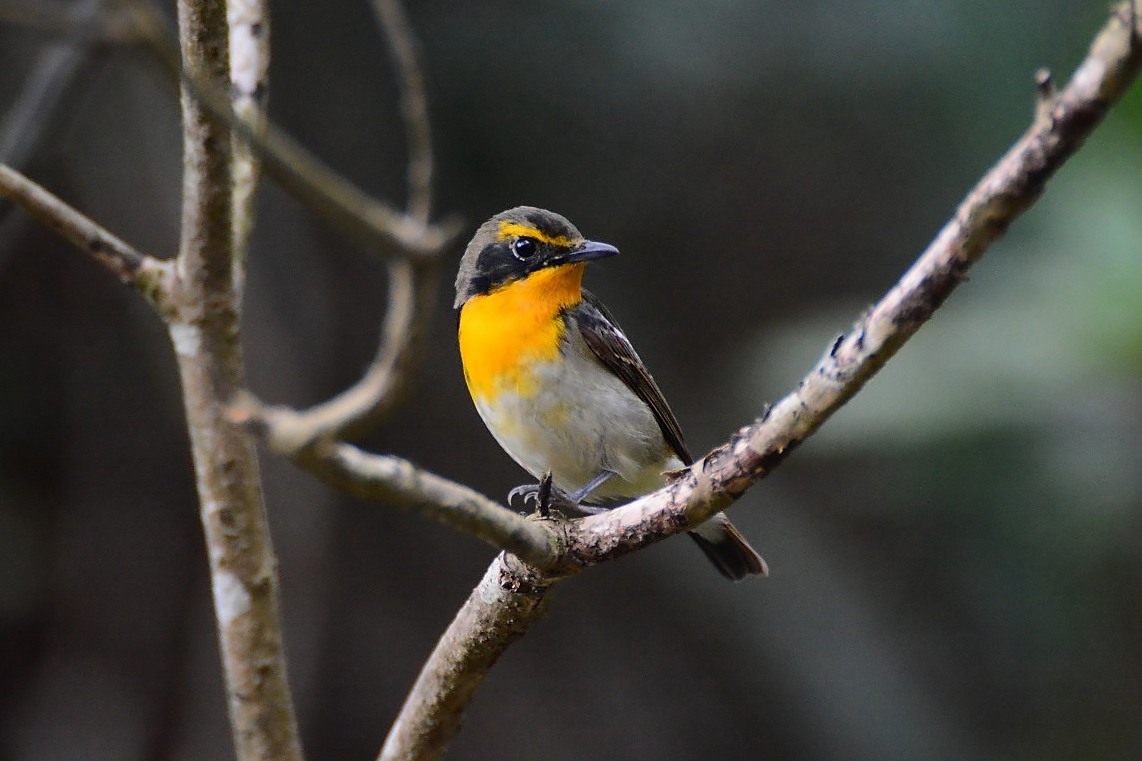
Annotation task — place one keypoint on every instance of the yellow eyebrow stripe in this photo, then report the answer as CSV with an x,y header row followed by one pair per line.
x,y
514,229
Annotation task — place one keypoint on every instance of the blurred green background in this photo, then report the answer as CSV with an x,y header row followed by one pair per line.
x,y
955,557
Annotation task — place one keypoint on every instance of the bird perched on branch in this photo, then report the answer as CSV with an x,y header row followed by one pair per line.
x,y
556,380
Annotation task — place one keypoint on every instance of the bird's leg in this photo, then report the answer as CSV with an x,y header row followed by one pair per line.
x,y
546,496
543,494
579,494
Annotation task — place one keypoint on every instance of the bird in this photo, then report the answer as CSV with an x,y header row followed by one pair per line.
x,y
558,383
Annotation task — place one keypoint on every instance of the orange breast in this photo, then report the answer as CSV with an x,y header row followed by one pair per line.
x,y
503,332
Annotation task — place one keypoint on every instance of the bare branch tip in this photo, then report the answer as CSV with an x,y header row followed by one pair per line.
x,y
245,410
270,424
1045,95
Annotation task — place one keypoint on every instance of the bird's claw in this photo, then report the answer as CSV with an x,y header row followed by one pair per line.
x,y
521,496
542,498
529,498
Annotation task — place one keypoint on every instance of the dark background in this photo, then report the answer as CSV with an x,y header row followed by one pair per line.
x,y
955,557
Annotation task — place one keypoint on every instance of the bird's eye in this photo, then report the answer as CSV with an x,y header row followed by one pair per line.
x,y
524,247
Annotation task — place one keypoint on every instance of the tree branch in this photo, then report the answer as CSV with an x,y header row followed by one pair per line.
x,y
200,299
372,223
1062,123
414,105
249,25
149,276
499,611
204,330
412,276
396,482
431,716
412,286
412,290
69,19
207,190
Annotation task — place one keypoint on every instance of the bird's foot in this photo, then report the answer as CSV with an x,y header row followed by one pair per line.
x,y
534,498
544,497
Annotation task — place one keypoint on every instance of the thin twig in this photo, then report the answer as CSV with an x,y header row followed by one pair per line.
x,y
412,284
150,276
31,117
358,408
27,120
372,223
396,482
431,716
249,25
412,296
57,18
414,105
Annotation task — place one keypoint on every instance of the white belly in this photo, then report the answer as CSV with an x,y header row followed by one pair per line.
x,y
583,421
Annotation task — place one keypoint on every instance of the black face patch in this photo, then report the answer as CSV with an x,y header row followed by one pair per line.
x,y
492,259
498,264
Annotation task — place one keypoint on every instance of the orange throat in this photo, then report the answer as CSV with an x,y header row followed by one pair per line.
x,y
503,334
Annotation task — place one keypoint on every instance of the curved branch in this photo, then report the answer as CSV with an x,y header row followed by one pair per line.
x,y
414,105
1009,188
412,296
412,285
412,290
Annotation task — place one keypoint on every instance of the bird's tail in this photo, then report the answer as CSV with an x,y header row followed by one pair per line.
x,y
728,550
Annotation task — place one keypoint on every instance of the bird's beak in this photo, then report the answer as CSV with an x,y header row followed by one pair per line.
x,y
588,250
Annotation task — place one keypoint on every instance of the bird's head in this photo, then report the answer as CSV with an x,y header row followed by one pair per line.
x,y
515,243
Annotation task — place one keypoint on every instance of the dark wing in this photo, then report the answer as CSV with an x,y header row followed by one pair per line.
x,y
606,339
